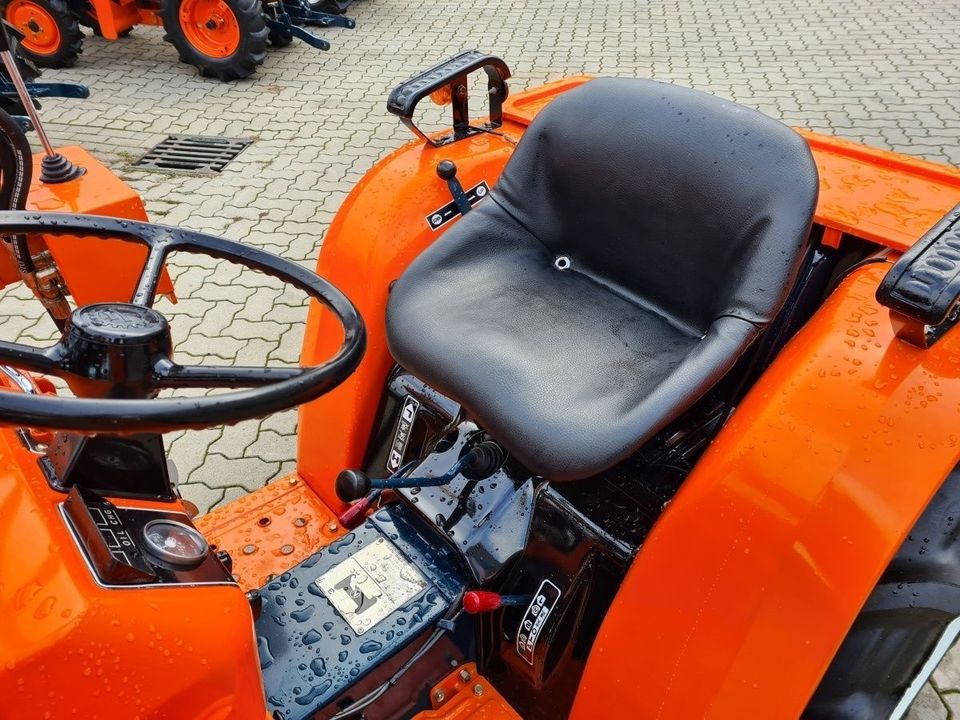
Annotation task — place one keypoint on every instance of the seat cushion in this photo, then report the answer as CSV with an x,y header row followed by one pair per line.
x,y
569,376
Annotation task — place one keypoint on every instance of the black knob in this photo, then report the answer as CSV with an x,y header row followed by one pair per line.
x,y
352,485
487,457
446,170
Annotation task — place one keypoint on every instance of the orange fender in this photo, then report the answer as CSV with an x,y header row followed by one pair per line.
x,y
750,580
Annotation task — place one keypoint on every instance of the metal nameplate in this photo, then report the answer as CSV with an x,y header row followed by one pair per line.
x,y
368,586
441,216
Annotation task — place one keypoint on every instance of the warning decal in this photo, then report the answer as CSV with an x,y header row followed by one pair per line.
x,y
535,618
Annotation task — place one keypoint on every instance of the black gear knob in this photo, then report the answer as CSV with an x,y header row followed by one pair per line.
x,y
447,170
352,485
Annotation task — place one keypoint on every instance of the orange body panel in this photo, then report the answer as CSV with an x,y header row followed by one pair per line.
x,y
115,17
72,649
94,269
769,550
270,530
465,695
878,195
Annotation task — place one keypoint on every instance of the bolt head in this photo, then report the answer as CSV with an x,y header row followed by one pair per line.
x,y
478,689
286,549
299,522
465,675
439,696
249,549
332,527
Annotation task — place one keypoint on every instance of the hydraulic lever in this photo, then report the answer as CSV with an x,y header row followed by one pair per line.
x,y
482,460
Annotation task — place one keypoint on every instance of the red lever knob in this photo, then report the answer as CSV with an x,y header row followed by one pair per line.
x,y
481,601
355,514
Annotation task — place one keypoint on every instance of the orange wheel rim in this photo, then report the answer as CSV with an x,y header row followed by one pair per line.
x,y
41,36
210,26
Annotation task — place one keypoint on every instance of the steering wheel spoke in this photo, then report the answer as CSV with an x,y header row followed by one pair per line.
x,y
150,275
25,357
169,375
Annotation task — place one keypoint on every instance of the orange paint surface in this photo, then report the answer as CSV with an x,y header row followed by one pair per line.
x,y
270,530
878,195
72,649
95,269
466,696
773,543
115,17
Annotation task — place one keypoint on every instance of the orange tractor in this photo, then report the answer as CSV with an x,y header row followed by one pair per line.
x,y
615,403
226,39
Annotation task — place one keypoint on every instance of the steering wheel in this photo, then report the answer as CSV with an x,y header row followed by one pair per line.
x,y
121,354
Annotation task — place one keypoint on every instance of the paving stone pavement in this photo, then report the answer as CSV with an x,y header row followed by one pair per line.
x,y
883,72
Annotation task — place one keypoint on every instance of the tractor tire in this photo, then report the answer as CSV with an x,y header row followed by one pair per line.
x,y
51,33
907,625
226,39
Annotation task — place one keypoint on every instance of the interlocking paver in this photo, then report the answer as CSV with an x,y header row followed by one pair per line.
x,y
880,72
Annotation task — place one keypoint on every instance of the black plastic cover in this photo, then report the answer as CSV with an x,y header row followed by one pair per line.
x,y
924,284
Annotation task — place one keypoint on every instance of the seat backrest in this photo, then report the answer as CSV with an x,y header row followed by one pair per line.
x,y
694,205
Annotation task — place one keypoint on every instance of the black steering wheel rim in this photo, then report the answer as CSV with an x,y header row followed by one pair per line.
x,y
269,390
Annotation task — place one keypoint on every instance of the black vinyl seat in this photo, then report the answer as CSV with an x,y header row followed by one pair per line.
x,y
683,219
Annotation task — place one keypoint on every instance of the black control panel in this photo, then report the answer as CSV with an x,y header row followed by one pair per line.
x,y
114,540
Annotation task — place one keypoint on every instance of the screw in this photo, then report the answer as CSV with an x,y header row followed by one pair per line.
x,y
249,549
465,675
286,549
439,696
299,522
332,527
478,689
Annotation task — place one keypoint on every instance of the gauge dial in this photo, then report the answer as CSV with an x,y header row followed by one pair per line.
x,y
174,542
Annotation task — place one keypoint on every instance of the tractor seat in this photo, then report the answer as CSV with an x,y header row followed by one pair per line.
x,y
640,238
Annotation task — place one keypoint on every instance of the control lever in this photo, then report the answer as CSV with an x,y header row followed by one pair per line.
x,y
447,170
54,168
481,461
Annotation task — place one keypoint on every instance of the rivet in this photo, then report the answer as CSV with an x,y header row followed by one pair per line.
x,y
332,527
286,549
478,689
299,522
465,675
249,549
439,696
562,262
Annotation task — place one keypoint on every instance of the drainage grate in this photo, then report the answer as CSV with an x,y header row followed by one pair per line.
x,y
193,153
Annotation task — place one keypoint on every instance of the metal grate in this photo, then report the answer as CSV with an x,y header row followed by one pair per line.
x,y
193,153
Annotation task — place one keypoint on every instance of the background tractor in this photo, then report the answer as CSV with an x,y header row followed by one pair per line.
x,y
226,39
